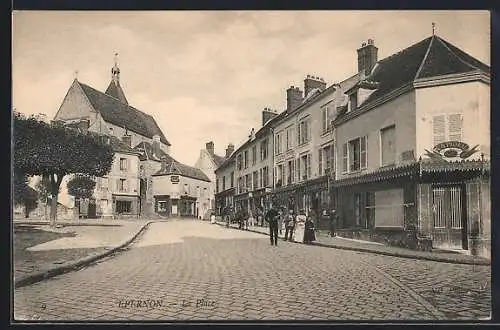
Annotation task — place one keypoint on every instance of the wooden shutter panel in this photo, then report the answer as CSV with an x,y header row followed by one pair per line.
x,y
344,157
455,127
362,152
309,166
320,162
438,129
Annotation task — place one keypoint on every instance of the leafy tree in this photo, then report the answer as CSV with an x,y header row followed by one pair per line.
x,y
43,187
55,151
81,186
23,194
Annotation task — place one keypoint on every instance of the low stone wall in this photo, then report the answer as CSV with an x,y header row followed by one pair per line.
x,y
388,237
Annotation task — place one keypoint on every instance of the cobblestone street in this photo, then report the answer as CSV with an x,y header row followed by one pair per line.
x,y
192,270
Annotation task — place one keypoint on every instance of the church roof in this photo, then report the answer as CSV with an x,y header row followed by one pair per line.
x,y
173,166
115,90
121,114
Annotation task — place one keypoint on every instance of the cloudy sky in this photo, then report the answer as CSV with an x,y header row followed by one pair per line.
x,y
208,75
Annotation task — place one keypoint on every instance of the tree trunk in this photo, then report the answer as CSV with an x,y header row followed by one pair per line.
x,y
26,211
76,210
46,209
55,184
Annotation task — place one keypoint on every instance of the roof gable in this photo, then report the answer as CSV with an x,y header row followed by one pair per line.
x,y
115,90
172,166
118,113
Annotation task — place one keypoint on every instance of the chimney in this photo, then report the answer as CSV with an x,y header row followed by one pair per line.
x,y
267,115
229,150
163,163
293,98
210,147
312,82
127,139
367,57
252,134
156,146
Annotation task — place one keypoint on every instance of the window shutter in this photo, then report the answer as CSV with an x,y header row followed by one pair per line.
x,y
438,129
455,127
117,184
320,162
299,131
362,152
344,157
309,166
275,176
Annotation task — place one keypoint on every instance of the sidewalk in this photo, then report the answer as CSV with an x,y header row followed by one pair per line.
x,y
71,246
323,239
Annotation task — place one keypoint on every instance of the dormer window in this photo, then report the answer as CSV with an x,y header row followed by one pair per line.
x,y
353,101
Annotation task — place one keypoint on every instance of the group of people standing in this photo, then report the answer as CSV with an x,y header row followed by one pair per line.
x,y
300,226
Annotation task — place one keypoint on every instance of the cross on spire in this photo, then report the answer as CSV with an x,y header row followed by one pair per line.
x,y
433,28
116,59
76,74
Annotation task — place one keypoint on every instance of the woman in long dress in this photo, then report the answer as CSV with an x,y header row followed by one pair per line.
x,y
298,234
309,234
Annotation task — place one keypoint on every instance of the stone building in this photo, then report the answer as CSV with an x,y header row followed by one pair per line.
x,y
139,144
413,149
208,161
225,183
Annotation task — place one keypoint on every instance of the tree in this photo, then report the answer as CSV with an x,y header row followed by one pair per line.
x,y
81,186
23,194
43,189
55,151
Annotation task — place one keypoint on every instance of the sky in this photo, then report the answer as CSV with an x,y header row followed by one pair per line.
x,y
207,75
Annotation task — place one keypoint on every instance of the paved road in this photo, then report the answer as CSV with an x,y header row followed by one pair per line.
x,y
188,270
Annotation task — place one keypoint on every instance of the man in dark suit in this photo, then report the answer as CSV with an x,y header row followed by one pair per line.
x,y
272,218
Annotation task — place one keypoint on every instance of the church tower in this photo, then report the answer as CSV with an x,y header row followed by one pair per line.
x,y
114,89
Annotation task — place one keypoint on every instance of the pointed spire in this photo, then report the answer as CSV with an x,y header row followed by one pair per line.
x,y
115,71
433,28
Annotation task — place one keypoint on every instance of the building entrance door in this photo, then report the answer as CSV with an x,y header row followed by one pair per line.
x,y
449,216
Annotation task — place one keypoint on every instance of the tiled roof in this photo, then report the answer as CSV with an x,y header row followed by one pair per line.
x,y
430,57
218,160
115,90
120,146
173,166
118,113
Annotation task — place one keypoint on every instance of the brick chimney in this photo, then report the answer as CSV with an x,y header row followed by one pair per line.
x,y
312,82
294,98
163,163
127,139
367,57
210,147
267,115
156,146
229,150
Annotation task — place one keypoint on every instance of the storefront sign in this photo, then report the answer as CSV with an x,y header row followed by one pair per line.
x,y
174,179
451,149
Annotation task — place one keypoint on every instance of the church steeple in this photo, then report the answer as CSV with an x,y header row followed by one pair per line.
x,y
115,71
114,88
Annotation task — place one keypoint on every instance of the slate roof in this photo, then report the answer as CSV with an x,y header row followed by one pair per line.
x,y
118,113
173,166
430,57
115,90
120,146
218,160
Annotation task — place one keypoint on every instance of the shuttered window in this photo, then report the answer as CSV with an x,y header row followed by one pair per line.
x,y
447,128
320,162
455,127
388,149
363,159
345,159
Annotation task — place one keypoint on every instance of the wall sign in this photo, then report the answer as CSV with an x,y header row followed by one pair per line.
x,y
451,149
174,179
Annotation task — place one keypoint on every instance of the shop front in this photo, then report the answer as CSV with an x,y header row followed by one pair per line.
x,y
125,206
425,204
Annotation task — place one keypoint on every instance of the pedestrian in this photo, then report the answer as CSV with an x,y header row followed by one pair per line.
x,y
309,235
289,225
333,222
300,221
251,219
280,220
272,219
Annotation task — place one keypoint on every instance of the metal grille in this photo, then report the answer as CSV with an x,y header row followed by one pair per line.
x,y
447,208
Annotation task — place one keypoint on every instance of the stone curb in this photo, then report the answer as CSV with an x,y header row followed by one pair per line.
x,y
479,262
54,271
